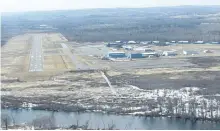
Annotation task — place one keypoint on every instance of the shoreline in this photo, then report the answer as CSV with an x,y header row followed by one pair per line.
x,y
174,116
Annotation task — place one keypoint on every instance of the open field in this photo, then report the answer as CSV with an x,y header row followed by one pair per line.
x,y
71,79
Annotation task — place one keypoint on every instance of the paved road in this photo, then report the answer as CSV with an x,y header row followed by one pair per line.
x,y
36,58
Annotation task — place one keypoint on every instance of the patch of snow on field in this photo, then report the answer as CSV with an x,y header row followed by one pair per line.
x,y
5,93
190,98
135,87
28,105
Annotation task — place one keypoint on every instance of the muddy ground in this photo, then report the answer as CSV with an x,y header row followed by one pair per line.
x,y
205,62
206,79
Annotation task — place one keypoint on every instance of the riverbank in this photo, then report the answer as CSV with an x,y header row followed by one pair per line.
x,y
149,114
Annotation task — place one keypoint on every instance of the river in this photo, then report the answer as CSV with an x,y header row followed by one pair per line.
x,y
65,119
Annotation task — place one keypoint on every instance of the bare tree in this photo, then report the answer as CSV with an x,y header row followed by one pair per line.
x,y
165,93
202,112
218,110
175,104
170,107
160,103
5,120
182,106
205,108
211,108
111,126
192,108
12,119
86,125
46,122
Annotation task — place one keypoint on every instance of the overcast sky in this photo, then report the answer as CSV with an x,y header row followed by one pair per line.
x,y
36,5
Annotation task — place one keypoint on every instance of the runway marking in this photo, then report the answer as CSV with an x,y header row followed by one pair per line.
x,y
36,61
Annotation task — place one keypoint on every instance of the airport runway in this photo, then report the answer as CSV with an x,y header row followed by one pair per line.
x,y
36,58
75,59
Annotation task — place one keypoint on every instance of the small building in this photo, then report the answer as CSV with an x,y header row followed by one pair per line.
x,y
145,42
167,43
173,41
190,52
126,47
156,42
116,55
183,42
214,42
199,42
149,50
132,42
135,55
149,54
115,45
140,49
169,53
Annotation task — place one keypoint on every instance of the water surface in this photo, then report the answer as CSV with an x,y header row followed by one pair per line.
x,y
64,119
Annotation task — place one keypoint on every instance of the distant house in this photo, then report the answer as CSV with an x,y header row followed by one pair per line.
x,y
173,41
169,53
190,52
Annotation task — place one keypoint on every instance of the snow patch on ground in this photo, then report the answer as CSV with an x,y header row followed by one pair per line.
x,y
187,99
28,105
135,87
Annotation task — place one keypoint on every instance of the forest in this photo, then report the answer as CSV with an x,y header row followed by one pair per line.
x,y
142,24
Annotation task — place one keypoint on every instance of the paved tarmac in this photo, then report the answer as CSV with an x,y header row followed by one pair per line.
x,y
36,55
75,59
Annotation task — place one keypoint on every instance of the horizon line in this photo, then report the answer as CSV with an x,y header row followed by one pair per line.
x,y
27,11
